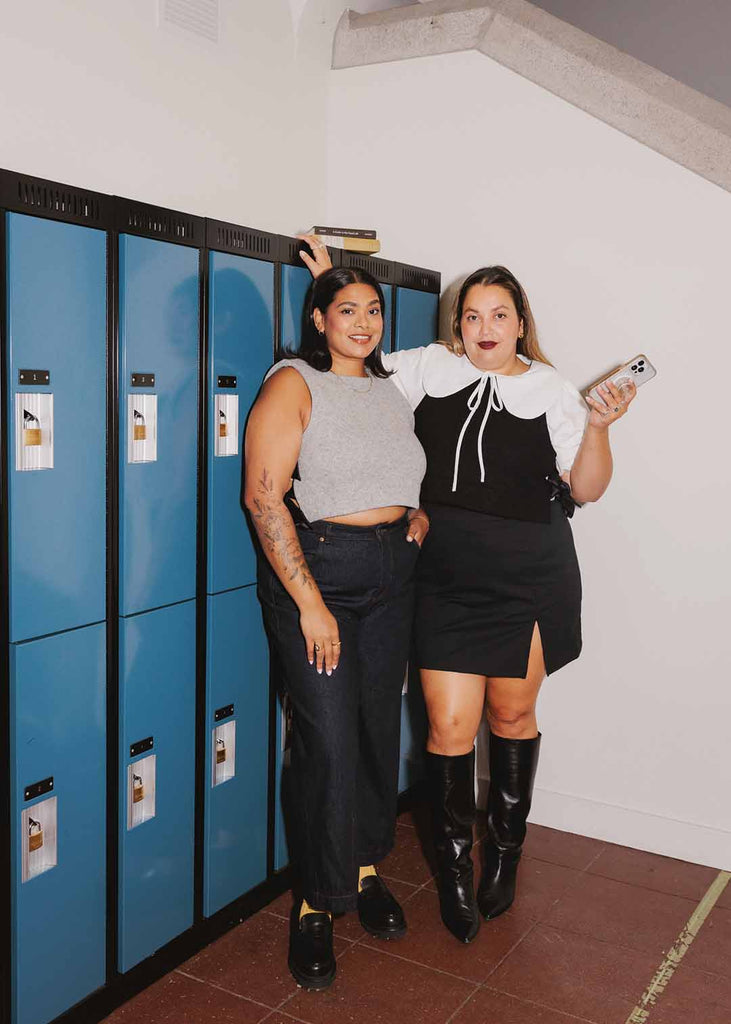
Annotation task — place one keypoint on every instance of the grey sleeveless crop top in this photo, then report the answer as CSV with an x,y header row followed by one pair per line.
x,y
359,450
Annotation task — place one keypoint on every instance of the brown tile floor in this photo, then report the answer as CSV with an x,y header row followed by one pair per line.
x,y
582,942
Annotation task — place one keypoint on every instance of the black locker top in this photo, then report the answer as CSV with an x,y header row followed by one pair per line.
x,y
241,241
289,249
133,218
382,270
408,276
23,193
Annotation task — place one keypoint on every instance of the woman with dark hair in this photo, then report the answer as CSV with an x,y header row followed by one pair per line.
x,y
511,450
336,586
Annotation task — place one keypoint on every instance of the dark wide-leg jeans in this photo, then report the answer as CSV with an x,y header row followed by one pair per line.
x,y
343,776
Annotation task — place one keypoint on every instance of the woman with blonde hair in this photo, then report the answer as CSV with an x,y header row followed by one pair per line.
x,y
511,450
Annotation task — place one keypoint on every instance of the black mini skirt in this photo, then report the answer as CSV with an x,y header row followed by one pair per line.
x,y
482,584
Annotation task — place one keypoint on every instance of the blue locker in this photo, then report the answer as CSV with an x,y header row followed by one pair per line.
x,y
387,316
58,715
158,334
157,711
281,852
295,284
237,747
56,287
296,281
417,315
241,332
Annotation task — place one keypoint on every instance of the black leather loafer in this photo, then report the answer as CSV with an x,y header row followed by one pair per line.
x,y
378,910
311,957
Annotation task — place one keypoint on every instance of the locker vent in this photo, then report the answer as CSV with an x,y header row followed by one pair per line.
x,y
289,249
197,16
293,246
155,222
422,280
46,198
247,241
382,270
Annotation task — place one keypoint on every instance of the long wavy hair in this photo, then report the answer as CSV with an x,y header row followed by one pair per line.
x,y
528,345
323,290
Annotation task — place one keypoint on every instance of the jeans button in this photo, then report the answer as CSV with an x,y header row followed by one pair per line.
x,y
322,540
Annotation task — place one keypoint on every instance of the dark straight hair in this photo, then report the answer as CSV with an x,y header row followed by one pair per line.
x,y
323,290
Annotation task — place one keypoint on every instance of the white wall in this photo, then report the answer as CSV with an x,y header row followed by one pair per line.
x,y
94,93
459,162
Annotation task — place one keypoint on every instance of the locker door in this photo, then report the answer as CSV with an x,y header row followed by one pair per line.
x,y
416,324
156,779
158,422
58,715
417,316
237,713
387,317
241,332
56,287
295,284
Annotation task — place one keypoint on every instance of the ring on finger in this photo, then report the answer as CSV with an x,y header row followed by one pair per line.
x,y
317,647
336,643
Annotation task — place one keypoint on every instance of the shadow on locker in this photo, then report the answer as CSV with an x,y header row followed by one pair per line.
x,y
159,332
241,340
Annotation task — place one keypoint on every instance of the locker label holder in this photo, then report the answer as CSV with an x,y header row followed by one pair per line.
x,y
30,377
142,380
222,713
38,788
141,746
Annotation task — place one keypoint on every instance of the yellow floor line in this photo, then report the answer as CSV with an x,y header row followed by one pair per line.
x,y
671,962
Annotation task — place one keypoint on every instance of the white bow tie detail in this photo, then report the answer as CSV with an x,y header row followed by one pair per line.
x,y
494,401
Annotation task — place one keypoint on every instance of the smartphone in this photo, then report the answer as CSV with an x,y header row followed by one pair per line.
x,y
637,371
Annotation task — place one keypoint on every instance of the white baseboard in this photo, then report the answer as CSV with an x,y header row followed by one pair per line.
x,y
699,844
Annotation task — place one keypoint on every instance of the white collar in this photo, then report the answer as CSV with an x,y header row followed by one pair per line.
x,y
526,395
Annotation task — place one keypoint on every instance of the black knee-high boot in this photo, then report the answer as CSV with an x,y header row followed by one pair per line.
x,y
513,766
452,798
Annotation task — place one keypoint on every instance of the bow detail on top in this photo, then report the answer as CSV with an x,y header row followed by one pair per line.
x,y
561,492
494,401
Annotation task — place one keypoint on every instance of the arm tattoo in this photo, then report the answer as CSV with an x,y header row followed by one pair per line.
x,y
276,532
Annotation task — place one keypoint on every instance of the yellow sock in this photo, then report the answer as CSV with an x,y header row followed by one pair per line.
x,y
307,909
364,873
